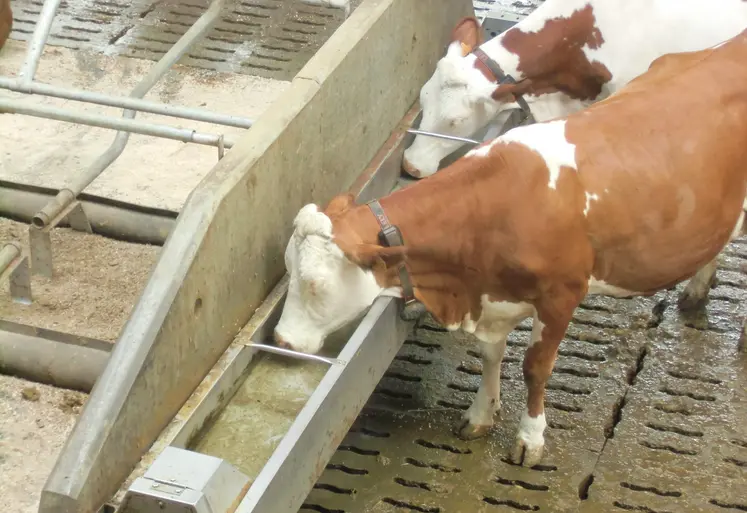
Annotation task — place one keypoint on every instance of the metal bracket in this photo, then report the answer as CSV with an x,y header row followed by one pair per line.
x,y
40,241
16,269
186,482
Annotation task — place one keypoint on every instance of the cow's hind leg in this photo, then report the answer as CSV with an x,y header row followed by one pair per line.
x,y
696,291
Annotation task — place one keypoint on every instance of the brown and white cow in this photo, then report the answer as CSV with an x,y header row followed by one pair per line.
x,y
626,198
564,56
6,21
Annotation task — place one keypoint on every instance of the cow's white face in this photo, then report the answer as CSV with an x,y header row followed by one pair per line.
x,y
456,101
326,290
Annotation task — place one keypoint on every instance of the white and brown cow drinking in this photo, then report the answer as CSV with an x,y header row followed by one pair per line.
x,y
629,197
564,56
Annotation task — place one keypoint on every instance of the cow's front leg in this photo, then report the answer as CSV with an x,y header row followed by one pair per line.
x,y
539,361
698,287
478,419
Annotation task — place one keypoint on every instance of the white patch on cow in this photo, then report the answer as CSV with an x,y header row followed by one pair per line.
x,y
602,288
550,11
498,319
589,199
548,140
532,430
537,327
325,289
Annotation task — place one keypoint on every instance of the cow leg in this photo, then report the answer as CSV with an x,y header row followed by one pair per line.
x,y
478,419
539,361
697,289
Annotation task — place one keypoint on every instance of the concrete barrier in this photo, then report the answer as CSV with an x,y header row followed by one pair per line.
x,y
226,251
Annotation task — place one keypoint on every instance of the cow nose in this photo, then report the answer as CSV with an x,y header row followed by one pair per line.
x,y
281,342
410,169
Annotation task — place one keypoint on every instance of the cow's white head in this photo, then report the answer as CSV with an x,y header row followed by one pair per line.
x,y
326,289
456,100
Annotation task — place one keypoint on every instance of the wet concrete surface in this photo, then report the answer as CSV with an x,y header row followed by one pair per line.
x,y
266,38
647,412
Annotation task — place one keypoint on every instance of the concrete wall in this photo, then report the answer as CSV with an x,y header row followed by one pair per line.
x,y
226,251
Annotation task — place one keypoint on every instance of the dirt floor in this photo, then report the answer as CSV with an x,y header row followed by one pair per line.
x,y
96,284
151,171
34,423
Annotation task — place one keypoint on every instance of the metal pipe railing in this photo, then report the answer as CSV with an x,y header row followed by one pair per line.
x,y
8,254
122,124
38,40
203,24
124,102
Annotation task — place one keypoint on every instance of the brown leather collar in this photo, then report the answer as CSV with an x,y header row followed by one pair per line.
x,y
493,72
391,236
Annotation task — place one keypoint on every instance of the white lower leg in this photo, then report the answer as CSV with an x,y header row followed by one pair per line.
x,y
532,431
488,399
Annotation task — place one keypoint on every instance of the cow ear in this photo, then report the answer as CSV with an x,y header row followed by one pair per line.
x,y
370,256
339,204
468,33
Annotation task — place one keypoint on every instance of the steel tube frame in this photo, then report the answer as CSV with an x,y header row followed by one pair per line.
x,y
51,357
127,124
124,103
38,40
121,124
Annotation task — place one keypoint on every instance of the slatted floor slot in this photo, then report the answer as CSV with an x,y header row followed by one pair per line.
x,y
268,38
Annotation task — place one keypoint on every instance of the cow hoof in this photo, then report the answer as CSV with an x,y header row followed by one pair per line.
x,y
467,431
690,301
525,454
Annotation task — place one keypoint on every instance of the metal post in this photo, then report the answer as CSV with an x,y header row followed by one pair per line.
x,y
195,32
10,251
38,40
126,103
15,265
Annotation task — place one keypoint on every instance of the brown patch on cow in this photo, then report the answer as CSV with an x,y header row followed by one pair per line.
x,y
552,59
6,21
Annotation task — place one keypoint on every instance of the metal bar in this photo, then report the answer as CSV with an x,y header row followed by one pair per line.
x,y
111,218
8,254
38,40
300,458
442,136
51,357
125,103
294,354
126,125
